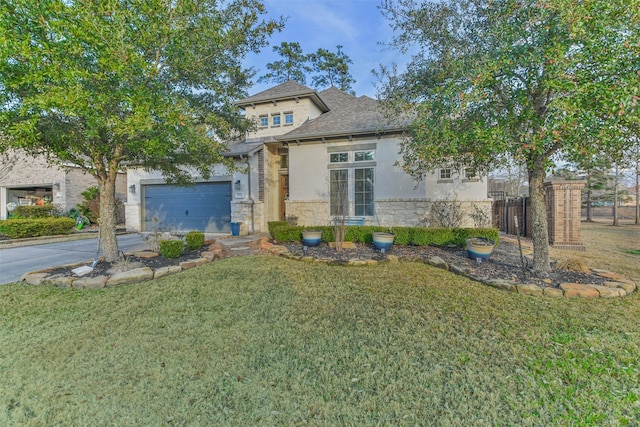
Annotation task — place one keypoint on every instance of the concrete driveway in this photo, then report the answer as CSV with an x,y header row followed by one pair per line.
x,y
15,261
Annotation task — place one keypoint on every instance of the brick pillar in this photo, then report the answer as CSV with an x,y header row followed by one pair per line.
x,y
564,214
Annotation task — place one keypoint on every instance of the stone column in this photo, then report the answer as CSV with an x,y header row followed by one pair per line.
x,y
564,214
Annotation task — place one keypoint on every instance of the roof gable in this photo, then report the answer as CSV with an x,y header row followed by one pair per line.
x,y
288,90
348,116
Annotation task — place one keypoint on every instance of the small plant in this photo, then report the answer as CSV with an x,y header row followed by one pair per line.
x,y
171,248
153,239
122,264
480,217
90,207
573,264
194,240
446,213
292,220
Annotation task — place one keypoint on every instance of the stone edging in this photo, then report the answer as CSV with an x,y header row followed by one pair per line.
x,y
616,286
136,275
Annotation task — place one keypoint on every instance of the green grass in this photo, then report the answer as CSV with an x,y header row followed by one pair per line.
x,y
268,341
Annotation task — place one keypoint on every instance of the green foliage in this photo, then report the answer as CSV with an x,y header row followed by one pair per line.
x,y
293,66
171,248
194,240
21,228
90,207
418,236
30,212
331,69
523,80
153,84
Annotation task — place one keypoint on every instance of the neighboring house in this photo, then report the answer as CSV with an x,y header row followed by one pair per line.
x,y
312,155
27,180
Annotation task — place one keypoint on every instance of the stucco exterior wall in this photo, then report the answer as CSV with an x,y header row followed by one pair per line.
x,y
302,110
399,199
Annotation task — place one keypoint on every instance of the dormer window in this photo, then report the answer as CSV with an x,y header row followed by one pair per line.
x,y
288,118
275,120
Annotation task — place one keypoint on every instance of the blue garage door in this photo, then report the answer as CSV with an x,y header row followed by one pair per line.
x,y
204,207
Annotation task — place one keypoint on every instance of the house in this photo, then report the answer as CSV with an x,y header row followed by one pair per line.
x,y
312,156
27,180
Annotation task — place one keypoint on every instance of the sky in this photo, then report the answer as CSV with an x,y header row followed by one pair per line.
x,y
357,25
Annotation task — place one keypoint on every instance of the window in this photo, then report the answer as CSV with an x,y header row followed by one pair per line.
x,y
470,173
275,120
445,173
363,184
364,156
339,192
288,118
339,157
264,121
283,152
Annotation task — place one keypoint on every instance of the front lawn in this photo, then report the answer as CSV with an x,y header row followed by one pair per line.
x,y
262,340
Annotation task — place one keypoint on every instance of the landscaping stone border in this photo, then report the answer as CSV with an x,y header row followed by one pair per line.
x,y
136,275
616,286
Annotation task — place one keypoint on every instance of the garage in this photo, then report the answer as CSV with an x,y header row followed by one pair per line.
x,y
204,206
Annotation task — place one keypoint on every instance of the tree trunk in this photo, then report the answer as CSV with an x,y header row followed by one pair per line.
x,y
615,196
589,214
539,226
637,191
108,219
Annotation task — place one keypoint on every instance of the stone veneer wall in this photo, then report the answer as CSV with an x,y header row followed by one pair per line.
x,y
390,212
241,212
309,212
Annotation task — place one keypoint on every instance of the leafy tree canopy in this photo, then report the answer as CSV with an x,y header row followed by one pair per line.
x,y
522,79
327,69
332,70
292,66
147,82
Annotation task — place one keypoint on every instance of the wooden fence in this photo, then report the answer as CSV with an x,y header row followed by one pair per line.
x,y
505,211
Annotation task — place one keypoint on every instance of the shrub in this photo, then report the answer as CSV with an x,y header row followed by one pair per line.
x,y
171,248
194,239
90,207
30,212
21,228
419,236
446,213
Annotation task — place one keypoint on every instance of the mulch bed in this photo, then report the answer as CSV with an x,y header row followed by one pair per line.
x,y
131,261
505,262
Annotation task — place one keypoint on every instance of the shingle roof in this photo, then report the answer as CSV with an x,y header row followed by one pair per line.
x,y
348,116
287,90
245,147
335,98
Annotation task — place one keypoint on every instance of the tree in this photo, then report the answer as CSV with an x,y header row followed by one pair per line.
x,y
102,83
495,79
594,169
293,66
332,69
